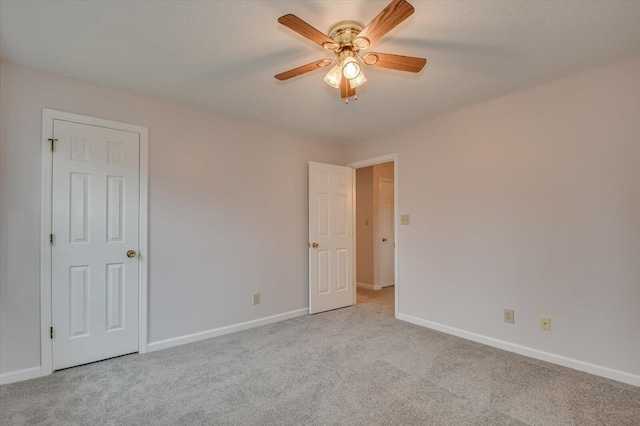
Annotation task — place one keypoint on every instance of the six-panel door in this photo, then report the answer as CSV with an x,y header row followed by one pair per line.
x,y
95,206
331,281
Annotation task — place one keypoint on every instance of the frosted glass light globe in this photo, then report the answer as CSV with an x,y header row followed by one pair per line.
x,y
351,68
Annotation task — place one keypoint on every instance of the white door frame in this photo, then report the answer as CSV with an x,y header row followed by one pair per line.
x,y
48,116
370,162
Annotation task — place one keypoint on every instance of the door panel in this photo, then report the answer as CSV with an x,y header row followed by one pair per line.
x,y
79,207
342,267
115,296
115,208
95,211
331,281
78,300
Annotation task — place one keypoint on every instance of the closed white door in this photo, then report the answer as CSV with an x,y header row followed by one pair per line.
x,y
95,212
331,280
387,233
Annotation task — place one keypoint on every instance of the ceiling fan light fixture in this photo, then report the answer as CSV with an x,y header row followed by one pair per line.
x,y
351,68
334,76
358,81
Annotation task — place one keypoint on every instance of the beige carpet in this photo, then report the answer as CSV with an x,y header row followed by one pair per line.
x,y
356,366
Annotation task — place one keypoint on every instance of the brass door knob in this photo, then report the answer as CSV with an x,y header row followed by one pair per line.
x,y
314,245
131,253
384,240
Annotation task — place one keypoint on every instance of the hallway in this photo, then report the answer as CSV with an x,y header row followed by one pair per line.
x,y
380,301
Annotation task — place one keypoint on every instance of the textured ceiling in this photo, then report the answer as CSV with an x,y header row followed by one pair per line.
x,y
222,55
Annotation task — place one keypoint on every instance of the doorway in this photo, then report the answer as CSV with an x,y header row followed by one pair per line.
x,y
376,229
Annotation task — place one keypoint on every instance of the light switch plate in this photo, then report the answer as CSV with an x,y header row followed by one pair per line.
x,y
405,219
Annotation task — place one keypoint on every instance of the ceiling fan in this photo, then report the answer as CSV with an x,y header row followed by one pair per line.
x,y
347,39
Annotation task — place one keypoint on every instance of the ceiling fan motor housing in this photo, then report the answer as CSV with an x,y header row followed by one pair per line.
x,y
344,32
345,37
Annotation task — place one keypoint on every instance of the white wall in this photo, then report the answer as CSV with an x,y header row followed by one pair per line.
x,y
227,216
530,202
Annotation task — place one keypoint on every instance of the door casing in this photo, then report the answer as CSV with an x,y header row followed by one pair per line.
x,y
48,116
370,162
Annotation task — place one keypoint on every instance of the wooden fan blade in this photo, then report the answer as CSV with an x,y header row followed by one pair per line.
x,y
303,69
346,91
302,28
396,62
392,15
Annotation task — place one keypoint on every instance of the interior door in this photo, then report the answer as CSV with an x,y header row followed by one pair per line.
x,y
387,233
95,213
331,260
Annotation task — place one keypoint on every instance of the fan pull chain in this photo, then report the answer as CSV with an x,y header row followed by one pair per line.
x,y
355,97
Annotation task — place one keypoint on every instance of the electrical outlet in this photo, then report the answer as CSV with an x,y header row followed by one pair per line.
x,y
405,219
256,298
545,323
509,316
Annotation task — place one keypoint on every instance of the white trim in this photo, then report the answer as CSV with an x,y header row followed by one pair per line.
x,y
598,370
20,375
379,160
143,241
48,116
221,331
35,372
369,286
354,260
373,161
46,345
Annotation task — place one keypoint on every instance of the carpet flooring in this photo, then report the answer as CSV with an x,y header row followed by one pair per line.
x,y
352,366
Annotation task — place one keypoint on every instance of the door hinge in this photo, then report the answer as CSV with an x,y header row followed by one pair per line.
x,y
51,332
53,144
51,239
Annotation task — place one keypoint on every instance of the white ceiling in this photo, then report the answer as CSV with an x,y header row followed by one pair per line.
x,y
222,55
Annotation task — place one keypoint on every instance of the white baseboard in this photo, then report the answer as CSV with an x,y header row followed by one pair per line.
x,y
598,370
20,375
221,331
369,286
34,372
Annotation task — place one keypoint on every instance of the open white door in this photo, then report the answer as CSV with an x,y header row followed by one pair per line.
x,y
331,260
